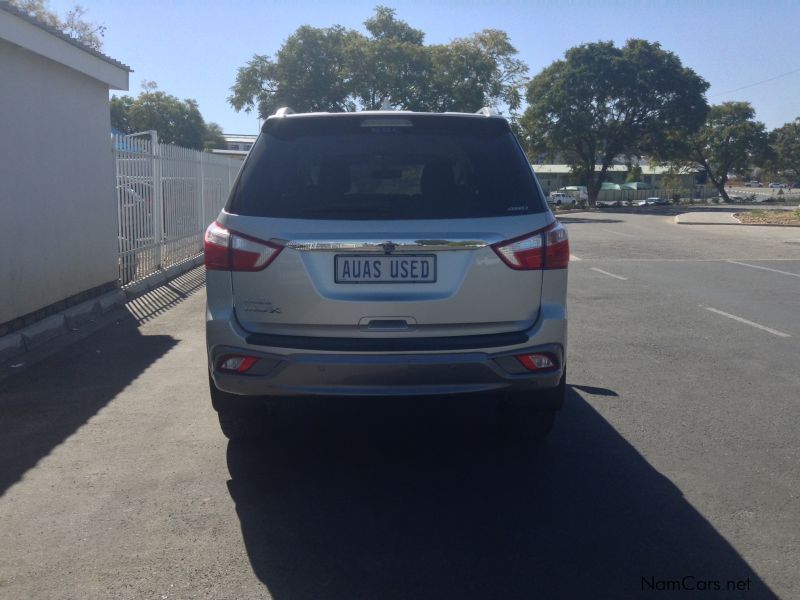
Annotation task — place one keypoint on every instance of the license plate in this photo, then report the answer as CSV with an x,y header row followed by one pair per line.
x,y
406,268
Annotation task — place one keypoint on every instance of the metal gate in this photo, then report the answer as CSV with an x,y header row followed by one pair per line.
x,y
166,197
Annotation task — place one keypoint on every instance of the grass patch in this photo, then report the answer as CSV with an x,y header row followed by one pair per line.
x,y
770,217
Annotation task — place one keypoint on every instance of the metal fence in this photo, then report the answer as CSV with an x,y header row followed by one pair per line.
x,y
166,197
697,195
629,197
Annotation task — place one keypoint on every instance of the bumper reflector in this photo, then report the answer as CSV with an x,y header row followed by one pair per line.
x,y
237,364
538,362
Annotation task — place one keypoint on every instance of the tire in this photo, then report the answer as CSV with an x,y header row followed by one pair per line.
x,y
558,202
528,417
240,426
242,419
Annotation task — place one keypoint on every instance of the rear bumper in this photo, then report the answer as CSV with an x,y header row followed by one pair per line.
x,y
411,369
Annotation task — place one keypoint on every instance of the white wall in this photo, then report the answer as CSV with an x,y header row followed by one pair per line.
x,y
57,210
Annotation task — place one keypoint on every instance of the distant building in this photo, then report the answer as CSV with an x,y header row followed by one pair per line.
x,y
553,177
236,145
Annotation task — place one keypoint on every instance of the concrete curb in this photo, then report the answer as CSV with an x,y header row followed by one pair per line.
x,y
44,331
148,284
15,345
11,345
721,218
766,225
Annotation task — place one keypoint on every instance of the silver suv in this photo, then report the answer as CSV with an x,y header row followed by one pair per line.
x,y
386,254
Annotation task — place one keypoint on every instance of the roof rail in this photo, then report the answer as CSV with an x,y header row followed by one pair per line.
x,y
282,112
485,111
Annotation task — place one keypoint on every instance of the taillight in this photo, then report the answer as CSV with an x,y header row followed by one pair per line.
x,y
230,251
237,364
556,247
540,361
544,249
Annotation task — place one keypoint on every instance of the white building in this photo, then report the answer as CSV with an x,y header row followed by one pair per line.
x,y
553,177
236,145
59,241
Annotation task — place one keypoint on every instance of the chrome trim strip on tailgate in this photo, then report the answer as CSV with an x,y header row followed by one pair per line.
x,y
388,246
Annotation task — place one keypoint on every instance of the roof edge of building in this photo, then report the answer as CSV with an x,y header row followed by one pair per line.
x,y
9,9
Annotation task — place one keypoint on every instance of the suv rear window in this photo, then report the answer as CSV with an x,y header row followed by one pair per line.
x,y
379,167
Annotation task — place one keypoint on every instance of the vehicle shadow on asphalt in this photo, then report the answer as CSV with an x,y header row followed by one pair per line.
x,y
416,500
42,406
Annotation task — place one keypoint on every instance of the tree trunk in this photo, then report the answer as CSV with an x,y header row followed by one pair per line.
x,y
720,185
721,188
596,183
593,189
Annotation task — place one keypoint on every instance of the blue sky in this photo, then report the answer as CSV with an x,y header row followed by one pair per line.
x,y
192,49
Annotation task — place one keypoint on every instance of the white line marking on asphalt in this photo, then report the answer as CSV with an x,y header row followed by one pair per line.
x,y
573,257
619,233
746,322
609,274
685,260
736,262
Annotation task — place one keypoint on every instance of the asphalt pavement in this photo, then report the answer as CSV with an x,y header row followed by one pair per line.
x,y
675,463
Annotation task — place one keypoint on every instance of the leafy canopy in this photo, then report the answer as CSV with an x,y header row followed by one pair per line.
x,y
730,141
785,143
339,69
601,102
176,121
73,23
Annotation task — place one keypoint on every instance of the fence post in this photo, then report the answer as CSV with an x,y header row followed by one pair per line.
x,y
121,246
158,205
201,210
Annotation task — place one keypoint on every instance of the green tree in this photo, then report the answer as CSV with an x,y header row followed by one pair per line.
x,y
311,72
213,137
785,142
601,102
73,23
384,26
634,174
470,73
730,142
176,121
338,69
389,67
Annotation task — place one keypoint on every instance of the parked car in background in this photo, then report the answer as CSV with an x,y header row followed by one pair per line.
x,y
580,192
607,202
653,201
561,199
753,184
777,185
